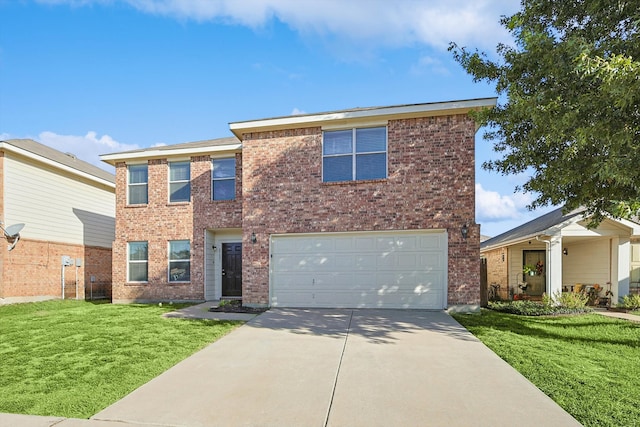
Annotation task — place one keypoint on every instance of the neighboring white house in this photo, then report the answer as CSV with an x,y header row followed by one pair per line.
x,y
68,208
565,255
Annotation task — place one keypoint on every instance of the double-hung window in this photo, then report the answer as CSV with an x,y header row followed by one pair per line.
x,y
354,154
138,184
223,184
138,262
179,261
179,182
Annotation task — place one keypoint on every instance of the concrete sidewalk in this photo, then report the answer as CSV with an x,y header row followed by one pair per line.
x,y
336,368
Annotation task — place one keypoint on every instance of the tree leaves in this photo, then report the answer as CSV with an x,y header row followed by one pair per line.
x,y
572,115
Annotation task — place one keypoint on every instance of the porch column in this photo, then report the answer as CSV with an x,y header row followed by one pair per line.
x,y
621,268
554,266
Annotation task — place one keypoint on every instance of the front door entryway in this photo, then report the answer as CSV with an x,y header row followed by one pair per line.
x,y
232,269
534,276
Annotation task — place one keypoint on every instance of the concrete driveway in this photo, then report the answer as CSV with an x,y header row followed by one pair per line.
x,y
295,367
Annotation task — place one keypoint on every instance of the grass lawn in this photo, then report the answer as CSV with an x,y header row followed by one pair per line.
x,y
589,364
74,358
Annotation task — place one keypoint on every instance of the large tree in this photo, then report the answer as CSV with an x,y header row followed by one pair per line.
x,y
571,111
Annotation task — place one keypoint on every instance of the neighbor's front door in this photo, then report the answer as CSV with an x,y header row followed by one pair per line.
x,y
536,283
232,269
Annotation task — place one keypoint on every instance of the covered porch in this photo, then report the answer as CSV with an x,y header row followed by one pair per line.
x,y
562,254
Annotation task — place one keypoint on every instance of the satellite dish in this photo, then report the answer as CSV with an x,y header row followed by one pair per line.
x,y
12,234
13,230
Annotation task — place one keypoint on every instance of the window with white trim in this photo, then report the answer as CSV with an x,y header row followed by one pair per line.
x,y
354,154
223,183
138,262
138,178
179,182
179,261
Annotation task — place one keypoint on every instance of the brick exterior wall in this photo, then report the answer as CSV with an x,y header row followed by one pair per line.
x,y
430,185
33,269
279,189
159,221
497,271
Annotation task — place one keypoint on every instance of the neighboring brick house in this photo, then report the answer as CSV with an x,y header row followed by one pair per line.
x,y
354,208
68,207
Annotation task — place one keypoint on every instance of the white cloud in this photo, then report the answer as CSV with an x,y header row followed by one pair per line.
x,y
492,206
429,64
87,147
434,23
296,111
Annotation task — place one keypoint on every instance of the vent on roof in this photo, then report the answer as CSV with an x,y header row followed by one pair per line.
x,y
73,156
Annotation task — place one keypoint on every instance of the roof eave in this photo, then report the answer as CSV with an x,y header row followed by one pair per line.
x,y
114,158
517,241
57,165
360,115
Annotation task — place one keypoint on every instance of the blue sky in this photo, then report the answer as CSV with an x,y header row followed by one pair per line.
x,y
100,76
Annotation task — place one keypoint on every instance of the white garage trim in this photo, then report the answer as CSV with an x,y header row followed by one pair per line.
x,y
372,269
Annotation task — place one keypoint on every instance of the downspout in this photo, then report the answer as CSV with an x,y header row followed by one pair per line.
x,y
547,254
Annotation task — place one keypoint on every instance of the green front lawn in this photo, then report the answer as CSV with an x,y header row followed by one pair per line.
x,y
74,358
588,364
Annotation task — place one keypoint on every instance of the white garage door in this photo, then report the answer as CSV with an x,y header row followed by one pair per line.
x,y
366,269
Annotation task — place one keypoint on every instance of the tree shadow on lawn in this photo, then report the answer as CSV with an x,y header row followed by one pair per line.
x,y
380,326
588,328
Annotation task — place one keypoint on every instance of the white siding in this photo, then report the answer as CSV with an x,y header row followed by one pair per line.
x,y
635,262
57,206
587,263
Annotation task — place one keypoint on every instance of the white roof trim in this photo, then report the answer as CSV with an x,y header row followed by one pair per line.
x,y
517,241
558,230
184,152
309,120
54,164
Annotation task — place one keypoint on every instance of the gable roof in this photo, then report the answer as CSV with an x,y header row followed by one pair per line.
x,y
58,159
532,228
187,148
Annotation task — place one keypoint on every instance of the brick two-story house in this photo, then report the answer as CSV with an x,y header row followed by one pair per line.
x,y
368,207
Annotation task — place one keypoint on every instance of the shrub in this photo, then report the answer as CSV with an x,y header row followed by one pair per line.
x,y
630,302
571,299
522,307
568,303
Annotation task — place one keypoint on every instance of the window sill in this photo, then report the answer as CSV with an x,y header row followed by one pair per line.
x,y
357,182
179,283
178,203
136,283
141,205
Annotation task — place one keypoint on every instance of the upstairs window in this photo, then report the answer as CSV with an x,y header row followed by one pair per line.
x,y
138,265
179,182
354,154
223,185
179,261
138,184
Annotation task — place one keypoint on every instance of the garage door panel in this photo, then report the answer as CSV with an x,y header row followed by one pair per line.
x,y
387,298
432,261
376,269
363,244
436,243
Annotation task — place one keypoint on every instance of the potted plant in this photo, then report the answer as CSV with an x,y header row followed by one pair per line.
x,y
529,269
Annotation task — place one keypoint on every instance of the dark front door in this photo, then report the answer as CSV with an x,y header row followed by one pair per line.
x,y
536,283
232,269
